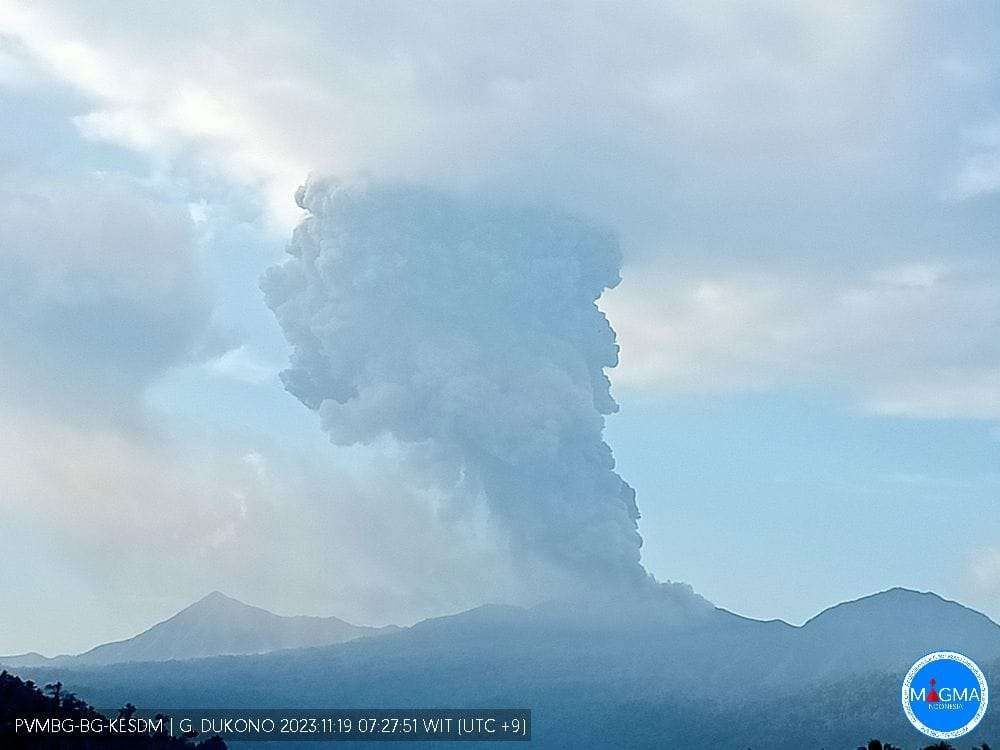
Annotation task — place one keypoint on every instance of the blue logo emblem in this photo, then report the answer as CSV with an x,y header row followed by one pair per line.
x,y
945,695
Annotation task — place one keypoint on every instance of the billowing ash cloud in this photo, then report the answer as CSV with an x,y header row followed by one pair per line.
x,y
471,333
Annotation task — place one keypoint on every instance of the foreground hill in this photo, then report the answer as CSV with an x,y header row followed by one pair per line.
x,y
632,673
19,699
212,626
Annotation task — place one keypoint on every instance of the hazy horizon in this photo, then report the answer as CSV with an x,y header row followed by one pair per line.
x,y
209,595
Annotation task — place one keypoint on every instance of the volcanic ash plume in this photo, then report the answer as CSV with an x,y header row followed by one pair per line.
x,y
472,334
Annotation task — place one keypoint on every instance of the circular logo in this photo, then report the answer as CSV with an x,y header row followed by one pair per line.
x,y
945,695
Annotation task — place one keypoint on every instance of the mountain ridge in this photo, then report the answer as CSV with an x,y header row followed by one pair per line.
x,y
667,670
215,625
840,632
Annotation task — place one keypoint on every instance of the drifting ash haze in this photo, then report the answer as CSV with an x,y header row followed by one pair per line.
x,y
470,334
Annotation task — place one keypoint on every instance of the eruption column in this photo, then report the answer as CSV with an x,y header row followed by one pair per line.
x,y
472,334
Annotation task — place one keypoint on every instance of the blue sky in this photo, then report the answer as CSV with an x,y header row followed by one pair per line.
x,y
806,199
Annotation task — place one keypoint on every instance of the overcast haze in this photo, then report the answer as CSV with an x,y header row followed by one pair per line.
x,y
806,199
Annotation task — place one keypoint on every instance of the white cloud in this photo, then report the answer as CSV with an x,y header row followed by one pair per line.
x,y
481,95
246,366
102,293
979,174
923,275
971,393
918,339
152,106
984,570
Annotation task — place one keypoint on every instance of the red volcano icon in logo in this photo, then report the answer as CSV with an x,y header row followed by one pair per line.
x,y
932,696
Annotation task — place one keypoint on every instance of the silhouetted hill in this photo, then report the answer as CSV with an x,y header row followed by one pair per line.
x,y
19,699
212,626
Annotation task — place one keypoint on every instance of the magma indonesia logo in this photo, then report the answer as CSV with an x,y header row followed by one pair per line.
x,y
945,695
